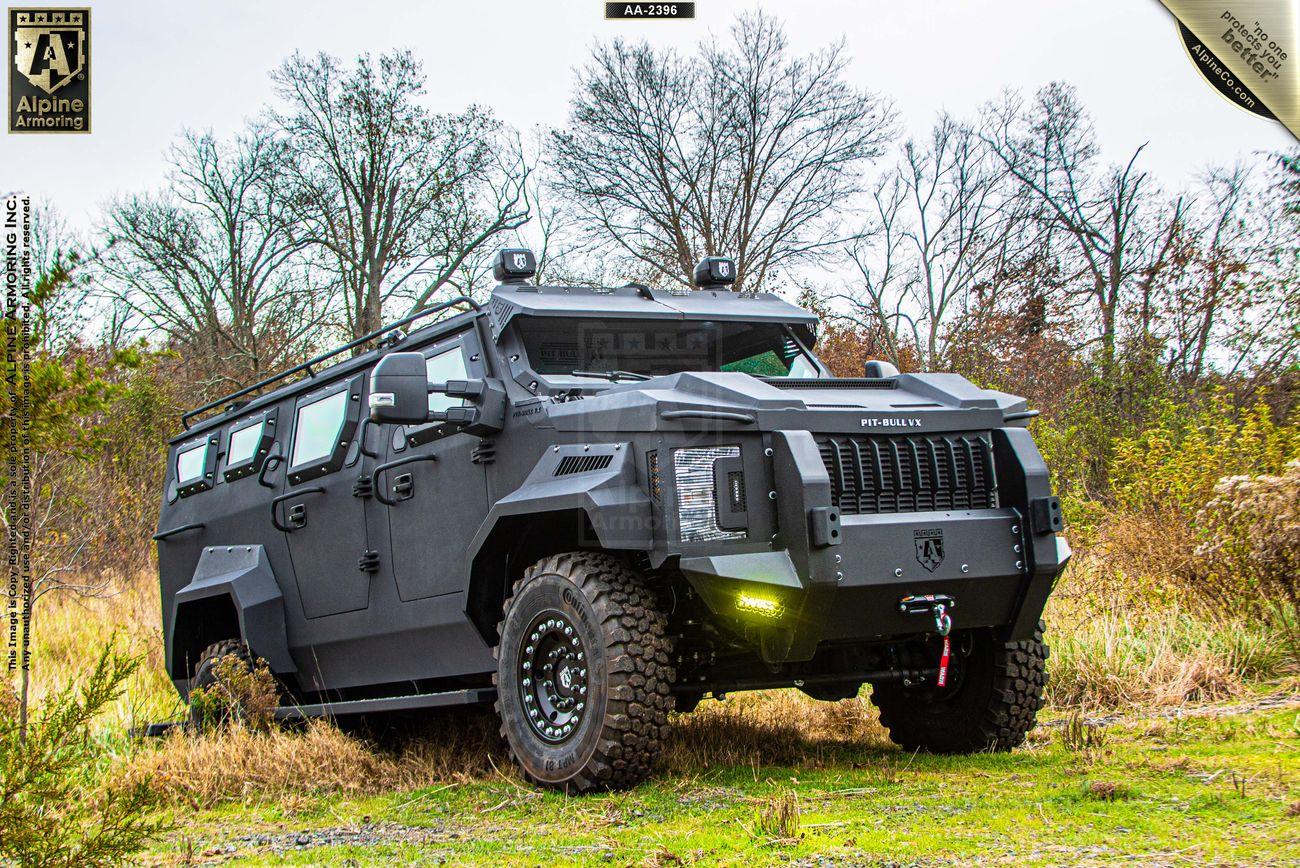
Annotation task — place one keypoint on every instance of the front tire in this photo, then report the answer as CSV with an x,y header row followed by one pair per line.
x,y
583,679
991,707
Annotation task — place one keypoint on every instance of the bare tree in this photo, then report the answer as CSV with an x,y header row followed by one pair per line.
x,y
743,150
396,198
210,263
1106,213
946,224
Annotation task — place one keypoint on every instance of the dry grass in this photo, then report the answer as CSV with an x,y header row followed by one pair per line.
x,y
772,728
241,764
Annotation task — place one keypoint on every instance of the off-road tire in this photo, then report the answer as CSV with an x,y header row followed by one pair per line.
x,y
205,676
991,708
627,681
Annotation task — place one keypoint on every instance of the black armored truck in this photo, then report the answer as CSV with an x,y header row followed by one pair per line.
x,y
595,506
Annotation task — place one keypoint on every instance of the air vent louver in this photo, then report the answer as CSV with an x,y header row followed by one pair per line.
x,y
582,464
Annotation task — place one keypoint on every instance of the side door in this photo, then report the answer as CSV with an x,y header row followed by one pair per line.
x,y
324,523
439,494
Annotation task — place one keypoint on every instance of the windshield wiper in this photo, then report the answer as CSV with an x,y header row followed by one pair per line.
x,y
612,376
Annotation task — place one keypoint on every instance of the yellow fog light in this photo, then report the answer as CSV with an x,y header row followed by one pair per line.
x,y
755,605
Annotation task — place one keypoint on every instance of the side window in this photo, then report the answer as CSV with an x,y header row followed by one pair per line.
x,y
318,428
196,464
446,365
247,445
190,463
324,423
243,443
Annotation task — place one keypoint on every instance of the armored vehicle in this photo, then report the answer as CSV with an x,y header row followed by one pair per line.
x,y
591,507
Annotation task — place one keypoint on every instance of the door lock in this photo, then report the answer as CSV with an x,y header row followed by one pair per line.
x,y
404,487
297,515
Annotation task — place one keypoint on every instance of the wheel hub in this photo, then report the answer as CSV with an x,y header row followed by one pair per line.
x,y
553,677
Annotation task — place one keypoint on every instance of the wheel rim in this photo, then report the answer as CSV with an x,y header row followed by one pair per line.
x,y
552,677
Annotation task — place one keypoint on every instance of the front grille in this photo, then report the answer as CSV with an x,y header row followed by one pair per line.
x,y
910,473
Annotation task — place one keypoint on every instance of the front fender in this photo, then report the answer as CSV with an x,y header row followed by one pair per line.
x,y
595,485
241,577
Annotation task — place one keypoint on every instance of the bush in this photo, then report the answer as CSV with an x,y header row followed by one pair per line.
x,y
56,805
243,694
1175,464
1250,556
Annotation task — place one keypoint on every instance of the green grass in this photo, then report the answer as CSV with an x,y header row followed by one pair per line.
x,y
1199,790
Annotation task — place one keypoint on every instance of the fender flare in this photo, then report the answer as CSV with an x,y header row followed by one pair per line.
x,y
240,576
619,516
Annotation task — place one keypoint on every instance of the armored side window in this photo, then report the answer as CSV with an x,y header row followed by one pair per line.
x,y
243,443
324,423
248,444
196,464
189,463
319,425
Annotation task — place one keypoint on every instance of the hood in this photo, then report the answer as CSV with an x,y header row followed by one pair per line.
x,y
915,403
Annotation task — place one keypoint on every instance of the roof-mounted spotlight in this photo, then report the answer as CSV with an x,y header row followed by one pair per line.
x,y
514,265
713,271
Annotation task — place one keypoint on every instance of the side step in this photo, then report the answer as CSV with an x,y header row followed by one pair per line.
x,y
387,703
355,706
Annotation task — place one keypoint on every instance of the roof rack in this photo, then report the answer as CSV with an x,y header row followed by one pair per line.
x,y
307,365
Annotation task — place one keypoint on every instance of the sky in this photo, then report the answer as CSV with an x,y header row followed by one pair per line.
x,y
159,66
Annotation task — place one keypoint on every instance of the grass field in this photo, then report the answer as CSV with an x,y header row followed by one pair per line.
x,y
1171,739
1218,785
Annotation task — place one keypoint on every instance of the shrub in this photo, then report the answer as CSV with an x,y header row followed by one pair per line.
x,y
56,806
1250,554
242,694
1175,464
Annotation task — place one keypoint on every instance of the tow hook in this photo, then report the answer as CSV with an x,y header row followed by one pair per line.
x,y
936,605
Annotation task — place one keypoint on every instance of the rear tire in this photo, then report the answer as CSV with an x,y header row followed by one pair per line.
x,y
218,713
991,707
583,676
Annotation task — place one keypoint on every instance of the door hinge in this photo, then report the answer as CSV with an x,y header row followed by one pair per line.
x,y
368,562
484,453
364,486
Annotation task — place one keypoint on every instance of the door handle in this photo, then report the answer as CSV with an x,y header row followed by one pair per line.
x,y
389,465
299,509
404,487
269,463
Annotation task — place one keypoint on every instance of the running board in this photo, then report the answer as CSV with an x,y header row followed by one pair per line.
x,y
387,703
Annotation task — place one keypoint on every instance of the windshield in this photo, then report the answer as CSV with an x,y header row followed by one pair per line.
x,y
582,350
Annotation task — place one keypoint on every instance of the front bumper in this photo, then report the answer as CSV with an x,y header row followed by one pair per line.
x,y
819,586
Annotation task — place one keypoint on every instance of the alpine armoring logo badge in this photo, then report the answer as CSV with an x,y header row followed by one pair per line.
x,y
49,77
929,547
521,261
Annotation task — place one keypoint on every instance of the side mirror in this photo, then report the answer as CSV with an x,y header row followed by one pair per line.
x,y
399,390
876,369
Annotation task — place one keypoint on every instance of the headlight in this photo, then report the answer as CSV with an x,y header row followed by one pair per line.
x,y
697,500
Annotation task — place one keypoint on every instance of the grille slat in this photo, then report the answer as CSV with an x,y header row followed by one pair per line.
x,y
909,473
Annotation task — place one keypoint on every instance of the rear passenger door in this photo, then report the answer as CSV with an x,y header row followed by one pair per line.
x,y
325,524
440,496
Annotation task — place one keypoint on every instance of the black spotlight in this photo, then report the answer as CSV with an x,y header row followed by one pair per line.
x,y
514,265
714,271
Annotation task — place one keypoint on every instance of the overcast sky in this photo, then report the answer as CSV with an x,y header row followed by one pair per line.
x,y
158,66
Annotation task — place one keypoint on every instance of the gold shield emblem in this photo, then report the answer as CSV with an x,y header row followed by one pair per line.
x,y
50,47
